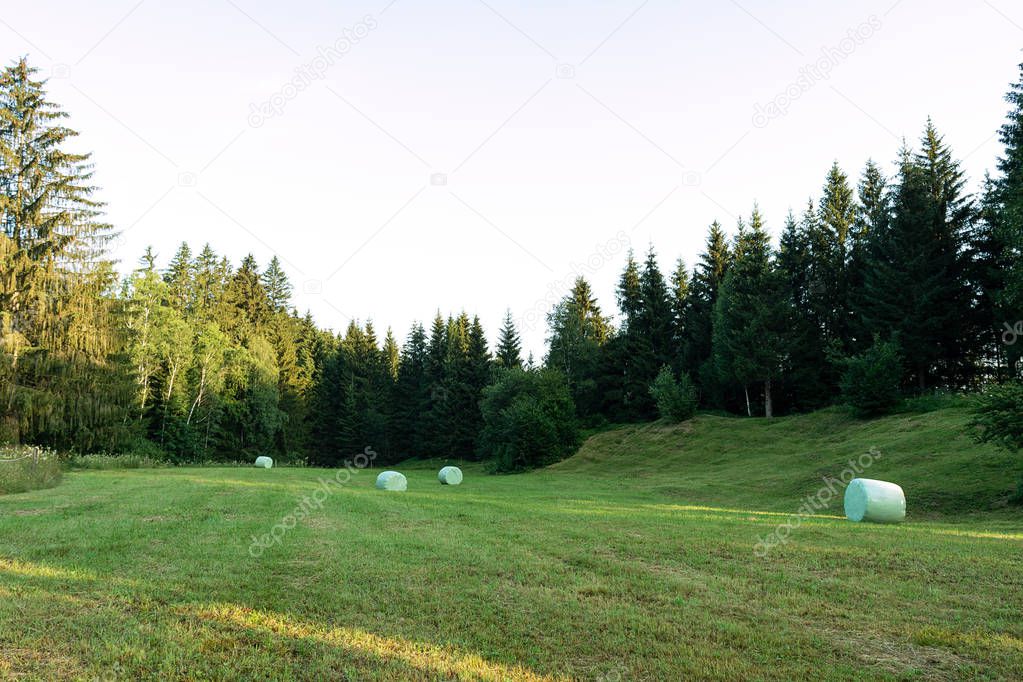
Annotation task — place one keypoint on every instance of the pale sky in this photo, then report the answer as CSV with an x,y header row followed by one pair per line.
x,y
475,155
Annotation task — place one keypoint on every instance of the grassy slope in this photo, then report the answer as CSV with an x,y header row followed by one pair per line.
x,y
772,464
599,568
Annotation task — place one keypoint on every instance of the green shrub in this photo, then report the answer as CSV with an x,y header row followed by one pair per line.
x,y
676,398
938,399
871,381
998,419
528,420
130,461
24,468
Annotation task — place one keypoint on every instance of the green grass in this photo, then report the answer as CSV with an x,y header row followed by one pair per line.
x,y
632,561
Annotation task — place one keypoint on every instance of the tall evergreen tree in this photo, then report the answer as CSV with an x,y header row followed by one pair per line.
x,y
749,317
916,284
806,370
180,279
830,236
655,318
706,283
679,305
577,330
57,326
412,397
509,346
873,214
276,284
1005,210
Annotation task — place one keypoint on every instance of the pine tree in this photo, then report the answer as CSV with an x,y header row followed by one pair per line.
x,y
412,398
873,214
655,316
916,284
577,330
277,286
509,346
706,283
57,324
436,439
180,279
1005,210
244,306
680,302
749,317
391,355
807,372
830,235
630,291
954,215
209,282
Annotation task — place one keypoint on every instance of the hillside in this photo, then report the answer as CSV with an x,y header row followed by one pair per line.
x,y
774,464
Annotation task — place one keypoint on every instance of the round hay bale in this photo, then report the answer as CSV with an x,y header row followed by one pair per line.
x,y
450,476
874,501
264,462
392,480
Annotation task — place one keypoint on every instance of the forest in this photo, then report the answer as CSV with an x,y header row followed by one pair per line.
x,y
881,286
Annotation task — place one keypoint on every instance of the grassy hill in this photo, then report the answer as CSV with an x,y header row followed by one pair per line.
x,y
633,560
773,464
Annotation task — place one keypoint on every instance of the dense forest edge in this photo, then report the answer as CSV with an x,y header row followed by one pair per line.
x,y
885,287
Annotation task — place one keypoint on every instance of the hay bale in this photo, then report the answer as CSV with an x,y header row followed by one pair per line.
x,y
264,462
874,501
392,480
450,476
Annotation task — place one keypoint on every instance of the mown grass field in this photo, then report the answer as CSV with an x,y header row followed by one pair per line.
x,y
632,561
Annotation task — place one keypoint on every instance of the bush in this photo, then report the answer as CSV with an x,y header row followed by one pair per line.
x,y
132,461
998,419
676,398
528,420
24,468
871,381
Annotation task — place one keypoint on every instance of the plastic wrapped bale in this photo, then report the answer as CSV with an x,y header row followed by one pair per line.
x,y
874,501
450,475
392,480
264,462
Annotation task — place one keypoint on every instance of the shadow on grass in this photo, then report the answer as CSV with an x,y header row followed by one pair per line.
x,y
212,639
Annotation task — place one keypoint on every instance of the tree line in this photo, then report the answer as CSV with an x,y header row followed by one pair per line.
x,y
205,360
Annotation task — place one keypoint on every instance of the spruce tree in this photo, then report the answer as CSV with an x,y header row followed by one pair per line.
x,y
655,318
509,346
577,330
180,279
679,305
916,287
1005,209
412,398
806,369
276,284
749,317
830,233
873,214
58,329
706,283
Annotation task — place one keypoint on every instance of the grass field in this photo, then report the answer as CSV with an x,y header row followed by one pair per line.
x,y
631,561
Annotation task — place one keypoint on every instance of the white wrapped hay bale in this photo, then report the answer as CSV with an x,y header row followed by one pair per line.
x,y
450,476
875,501
264,462
392,480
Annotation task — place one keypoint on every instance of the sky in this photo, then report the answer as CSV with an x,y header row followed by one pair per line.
x,y
401,157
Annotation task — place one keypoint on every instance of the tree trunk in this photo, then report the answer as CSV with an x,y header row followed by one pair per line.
x,y
749,410
768,403
198,397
